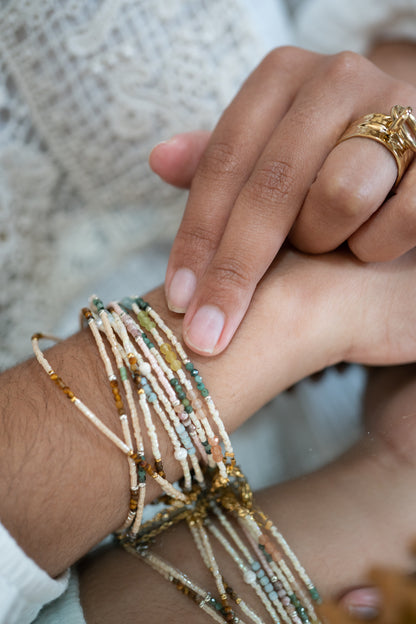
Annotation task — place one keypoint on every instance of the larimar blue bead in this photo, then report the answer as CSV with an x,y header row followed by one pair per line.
x,y
255,566
273,596
180,428
268,588
152,398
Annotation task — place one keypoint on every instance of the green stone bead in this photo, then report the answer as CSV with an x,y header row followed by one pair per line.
x,y
98,304
295,601
174,382
123,373
180,394
204,392
143,305
200,385
189,366
185,402
315,595
189,409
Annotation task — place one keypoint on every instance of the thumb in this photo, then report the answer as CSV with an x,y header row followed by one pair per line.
x,y
362,602
176,160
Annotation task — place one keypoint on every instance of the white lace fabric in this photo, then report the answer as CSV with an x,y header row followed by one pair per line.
x,y
86,90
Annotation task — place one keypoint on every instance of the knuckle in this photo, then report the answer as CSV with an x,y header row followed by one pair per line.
x,y
221,160
339,193
195,239
272,182
345,66
286,56
231,271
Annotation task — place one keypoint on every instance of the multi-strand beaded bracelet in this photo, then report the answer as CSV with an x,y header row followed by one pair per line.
x,y
151,377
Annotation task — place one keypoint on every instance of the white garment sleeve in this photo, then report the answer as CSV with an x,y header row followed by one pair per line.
x,y
329,26
24,587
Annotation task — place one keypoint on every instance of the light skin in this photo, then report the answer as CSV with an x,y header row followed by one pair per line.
x,y
271,169
61,478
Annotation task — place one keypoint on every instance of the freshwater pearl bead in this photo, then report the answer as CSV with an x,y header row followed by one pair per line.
x,y
181,454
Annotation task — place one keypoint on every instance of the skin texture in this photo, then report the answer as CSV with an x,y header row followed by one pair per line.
x,y
330,515
271,168
332,309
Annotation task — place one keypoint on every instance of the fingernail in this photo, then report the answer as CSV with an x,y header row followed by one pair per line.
x,y
363,612
181,289
205,329
363,603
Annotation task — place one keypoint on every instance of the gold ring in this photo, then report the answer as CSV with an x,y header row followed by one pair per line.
x,y
397,132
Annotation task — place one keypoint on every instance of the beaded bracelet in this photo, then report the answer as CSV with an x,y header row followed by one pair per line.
x,y
212,497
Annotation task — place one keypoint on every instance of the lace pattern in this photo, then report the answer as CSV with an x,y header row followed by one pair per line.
x,y
86,90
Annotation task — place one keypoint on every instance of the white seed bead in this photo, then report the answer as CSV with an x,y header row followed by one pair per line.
x,y
145,368
250,577
181,454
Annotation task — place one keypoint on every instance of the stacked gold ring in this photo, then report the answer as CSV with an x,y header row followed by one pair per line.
x,y
397,132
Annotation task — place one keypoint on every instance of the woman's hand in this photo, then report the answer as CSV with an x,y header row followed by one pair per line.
x,y
272,168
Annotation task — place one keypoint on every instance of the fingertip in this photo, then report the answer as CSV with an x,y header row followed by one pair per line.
x,y
202,332
177,159
180,289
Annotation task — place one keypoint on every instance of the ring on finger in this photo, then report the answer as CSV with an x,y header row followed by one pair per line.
x,y
397,132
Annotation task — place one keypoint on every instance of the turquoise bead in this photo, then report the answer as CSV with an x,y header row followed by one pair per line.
x,y
200,385
189,366
198,379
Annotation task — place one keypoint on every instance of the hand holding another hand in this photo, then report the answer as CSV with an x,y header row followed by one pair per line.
x,y
272,169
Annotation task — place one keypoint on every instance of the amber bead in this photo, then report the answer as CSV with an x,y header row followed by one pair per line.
x,y
69,393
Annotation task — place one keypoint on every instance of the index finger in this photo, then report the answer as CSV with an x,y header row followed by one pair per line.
x,y
235,145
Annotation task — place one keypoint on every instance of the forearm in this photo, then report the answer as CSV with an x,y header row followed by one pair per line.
x,y
64,486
